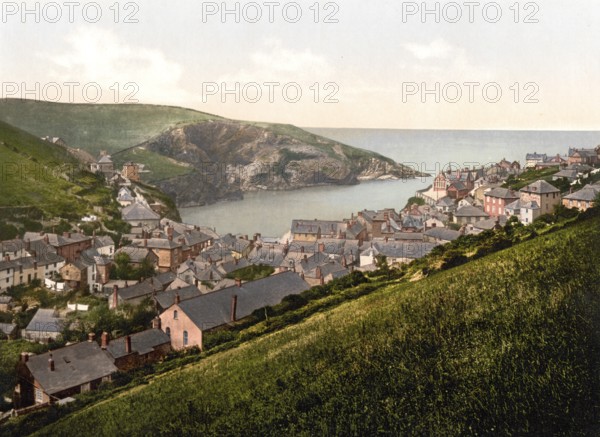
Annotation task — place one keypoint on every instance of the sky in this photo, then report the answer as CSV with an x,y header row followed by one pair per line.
x,y
383,64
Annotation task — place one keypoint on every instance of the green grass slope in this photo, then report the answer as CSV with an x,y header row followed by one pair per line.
x,y
35,173
96,127
508,344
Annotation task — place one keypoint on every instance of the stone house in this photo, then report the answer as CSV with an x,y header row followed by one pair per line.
x,y
185,323
61,373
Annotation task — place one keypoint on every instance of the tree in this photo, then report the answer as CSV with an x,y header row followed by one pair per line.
x,y
123,269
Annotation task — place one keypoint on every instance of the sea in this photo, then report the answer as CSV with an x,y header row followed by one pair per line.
x,y
271,213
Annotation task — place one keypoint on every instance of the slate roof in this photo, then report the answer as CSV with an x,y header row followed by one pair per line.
x,y
45,320
12,245
73,366
142,289
491,223
586,194
470,211
167,298
408,236
569,174
540,187
137,211
443,234
445,201
502,193
517,205
136,253
56,240
214,309
142,343
105,160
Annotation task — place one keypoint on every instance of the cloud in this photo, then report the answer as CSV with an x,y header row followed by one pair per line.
x,y
437,49
274,62
99,55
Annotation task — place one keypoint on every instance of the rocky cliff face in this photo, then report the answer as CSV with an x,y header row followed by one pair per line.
x,y
230,158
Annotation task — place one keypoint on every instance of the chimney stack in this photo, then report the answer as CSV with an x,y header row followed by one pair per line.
x,y
177,299
321,247
51,363
91,337
234,308
104,340
128,344
238,282
24,357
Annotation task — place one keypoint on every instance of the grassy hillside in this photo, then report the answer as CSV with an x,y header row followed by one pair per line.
x,y
96,127
508,344
45,176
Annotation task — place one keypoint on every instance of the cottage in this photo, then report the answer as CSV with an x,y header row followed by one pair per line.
x,y
140,215
131,171
584,156
137,350
62,373
496,200
186,322
45,326
69,245
469,214
545,195
582,199
75,274
526,212
441,235
533,159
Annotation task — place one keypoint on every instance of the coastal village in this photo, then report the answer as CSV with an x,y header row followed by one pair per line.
x,y
193,278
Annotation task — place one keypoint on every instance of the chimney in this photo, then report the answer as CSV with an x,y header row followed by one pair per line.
x,y
156,324
233,307
46,239
301,249
104,340
51,363
6,257
177,299
128,344
238,282
321,247
91,337
24,357
305,258
319,273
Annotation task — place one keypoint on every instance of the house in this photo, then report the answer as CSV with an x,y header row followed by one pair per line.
x,y
5,303
171,297
489,224
185,323
7,274
138,214
533,159
396,252
457,190
45,326
441,235
446,205
168,252
104,165
496,199
545,195
138,255
584,156
526,212
582,199
55,140
569,175
124,197
469,214
137,350
8,331
62,373
75,274
69,245
134,294
131,171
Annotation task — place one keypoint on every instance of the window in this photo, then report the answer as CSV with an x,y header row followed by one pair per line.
x,y
175,314
168,332
185,338
39,396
